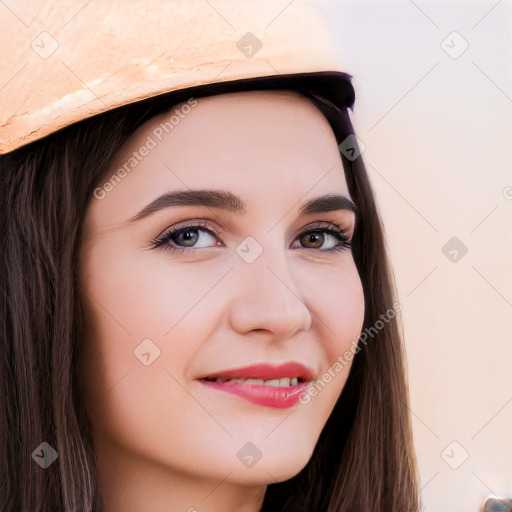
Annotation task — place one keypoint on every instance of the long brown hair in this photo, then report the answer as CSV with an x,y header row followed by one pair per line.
x,y
364,459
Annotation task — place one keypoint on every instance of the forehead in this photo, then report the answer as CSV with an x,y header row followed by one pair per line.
x,y
240,131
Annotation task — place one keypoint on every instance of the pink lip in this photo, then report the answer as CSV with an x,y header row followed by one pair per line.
x,y
269,396
267,372
280,398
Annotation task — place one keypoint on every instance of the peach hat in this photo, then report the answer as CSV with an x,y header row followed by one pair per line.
x,y
62,62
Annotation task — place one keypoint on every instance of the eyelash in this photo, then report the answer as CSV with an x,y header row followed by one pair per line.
x,y
325,227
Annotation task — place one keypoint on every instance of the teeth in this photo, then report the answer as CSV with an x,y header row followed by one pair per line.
x,y
257,382
276,383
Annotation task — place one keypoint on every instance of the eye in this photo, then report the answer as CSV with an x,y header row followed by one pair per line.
x,y
330,237
193,236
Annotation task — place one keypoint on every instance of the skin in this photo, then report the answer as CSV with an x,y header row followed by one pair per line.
x,y
163,440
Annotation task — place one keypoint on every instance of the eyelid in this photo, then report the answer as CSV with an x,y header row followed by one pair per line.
x,y
322,224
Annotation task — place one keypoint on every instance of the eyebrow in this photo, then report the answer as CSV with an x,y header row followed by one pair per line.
x,y
228,201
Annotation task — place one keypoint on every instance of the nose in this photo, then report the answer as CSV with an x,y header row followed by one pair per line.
x,y
267,298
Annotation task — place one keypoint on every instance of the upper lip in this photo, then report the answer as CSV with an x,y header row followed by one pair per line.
x,y
266,372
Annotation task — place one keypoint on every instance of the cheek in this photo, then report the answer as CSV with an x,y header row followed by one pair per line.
x,y
138,313
339,306
142,293
131,297
339,309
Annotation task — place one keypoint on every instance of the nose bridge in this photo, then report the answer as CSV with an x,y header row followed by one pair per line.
x,y
267,297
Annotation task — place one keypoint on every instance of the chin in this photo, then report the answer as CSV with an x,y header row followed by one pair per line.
x,y
289,468
276,465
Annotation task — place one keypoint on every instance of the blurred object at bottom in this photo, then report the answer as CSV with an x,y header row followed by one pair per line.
x,y
493,504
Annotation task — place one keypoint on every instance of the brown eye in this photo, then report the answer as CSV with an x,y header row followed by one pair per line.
x,y
316,239
325,239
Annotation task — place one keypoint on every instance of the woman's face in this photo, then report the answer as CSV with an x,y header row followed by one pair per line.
x,y
246,279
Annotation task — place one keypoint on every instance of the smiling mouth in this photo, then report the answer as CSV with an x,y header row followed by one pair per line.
x,y
263,384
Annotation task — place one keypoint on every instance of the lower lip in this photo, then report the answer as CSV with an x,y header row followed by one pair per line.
x,y
270,396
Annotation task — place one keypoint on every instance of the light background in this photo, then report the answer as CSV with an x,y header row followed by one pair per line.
x,y
438,134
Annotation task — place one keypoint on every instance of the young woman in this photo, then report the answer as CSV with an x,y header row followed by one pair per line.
x,y
199,312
